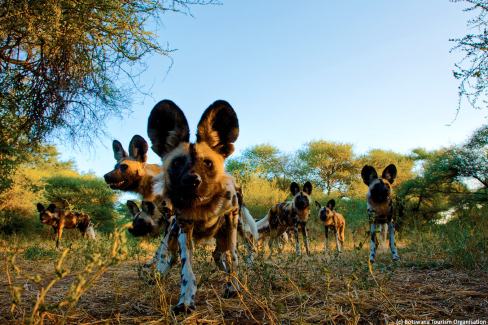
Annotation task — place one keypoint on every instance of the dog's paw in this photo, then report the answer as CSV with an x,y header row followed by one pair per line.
x,y
230,293
182,308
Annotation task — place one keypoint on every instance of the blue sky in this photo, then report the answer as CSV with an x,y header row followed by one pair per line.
x,y
377,74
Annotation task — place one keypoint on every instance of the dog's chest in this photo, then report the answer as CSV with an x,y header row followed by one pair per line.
x,y
207,219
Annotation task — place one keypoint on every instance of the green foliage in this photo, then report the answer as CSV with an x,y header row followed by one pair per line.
x,y
87,194
61,63
472,70
35,253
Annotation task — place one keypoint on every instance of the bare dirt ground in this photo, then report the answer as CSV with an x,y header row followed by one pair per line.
x,y
314,289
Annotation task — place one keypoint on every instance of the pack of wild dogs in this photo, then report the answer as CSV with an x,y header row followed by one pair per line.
x,y
190,197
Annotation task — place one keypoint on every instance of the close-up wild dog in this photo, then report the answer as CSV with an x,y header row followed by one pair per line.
x,y
204,197
61,219
380,205
286,215
334,221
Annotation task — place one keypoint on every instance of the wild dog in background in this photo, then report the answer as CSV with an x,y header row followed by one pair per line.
x,y
132,173
205,198
60,219
380,205
334,221
285,215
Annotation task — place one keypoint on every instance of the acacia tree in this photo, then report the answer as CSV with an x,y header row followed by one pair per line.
x,y
331,164
472,71
60,66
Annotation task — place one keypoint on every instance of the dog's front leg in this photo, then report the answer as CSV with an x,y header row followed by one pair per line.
x,y
232,286
188,289
326,243
338,244
166,254
372,243
391,233
297,240
305,237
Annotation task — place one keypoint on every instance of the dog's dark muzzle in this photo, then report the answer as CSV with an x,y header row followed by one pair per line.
x,y
380,193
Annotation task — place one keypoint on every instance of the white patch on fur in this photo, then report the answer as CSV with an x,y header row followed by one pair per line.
x,y
248,223
263,223
90,232
158,184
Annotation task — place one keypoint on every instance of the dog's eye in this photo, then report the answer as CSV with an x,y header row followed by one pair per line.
x,y
208,163
123,167
177,162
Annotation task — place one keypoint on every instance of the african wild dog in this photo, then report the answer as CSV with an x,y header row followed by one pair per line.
x,y
286,215
334,221
147,220
132,173
60,219
380,205
204,197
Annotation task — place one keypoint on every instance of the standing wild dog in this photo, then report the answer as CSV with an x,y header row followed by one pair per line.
x,y
380,205
60,219
334,221
286,215
204,197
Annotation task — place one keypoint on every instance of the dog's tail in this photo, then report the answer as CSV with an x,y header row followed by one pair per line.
x,y
90,232
263,224
248,223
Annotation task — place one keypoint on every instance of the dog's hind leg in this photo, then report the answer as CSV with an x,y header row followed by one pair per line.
x,y
372,243
305,237
188,289
391,234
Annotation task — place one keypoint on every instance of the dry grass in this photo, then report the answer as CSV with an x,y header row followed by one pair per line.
x,y
286,289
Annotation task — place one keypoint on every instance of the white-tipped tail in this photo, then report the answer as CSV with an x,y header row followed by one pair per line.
x,y
248,223
90,232
263,223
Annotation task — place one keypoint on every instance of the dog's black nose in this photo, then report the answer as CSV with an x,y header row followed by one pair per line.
x,y
192,180
106,177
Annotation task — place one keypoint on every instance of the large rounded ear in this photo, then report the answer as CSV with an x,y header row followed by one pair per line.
x,y
219,128
133,208
148,207
138,148
317,203
307,188
119,152
40,207
331,204
390,173
51,207
294,188
368,173
167,127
